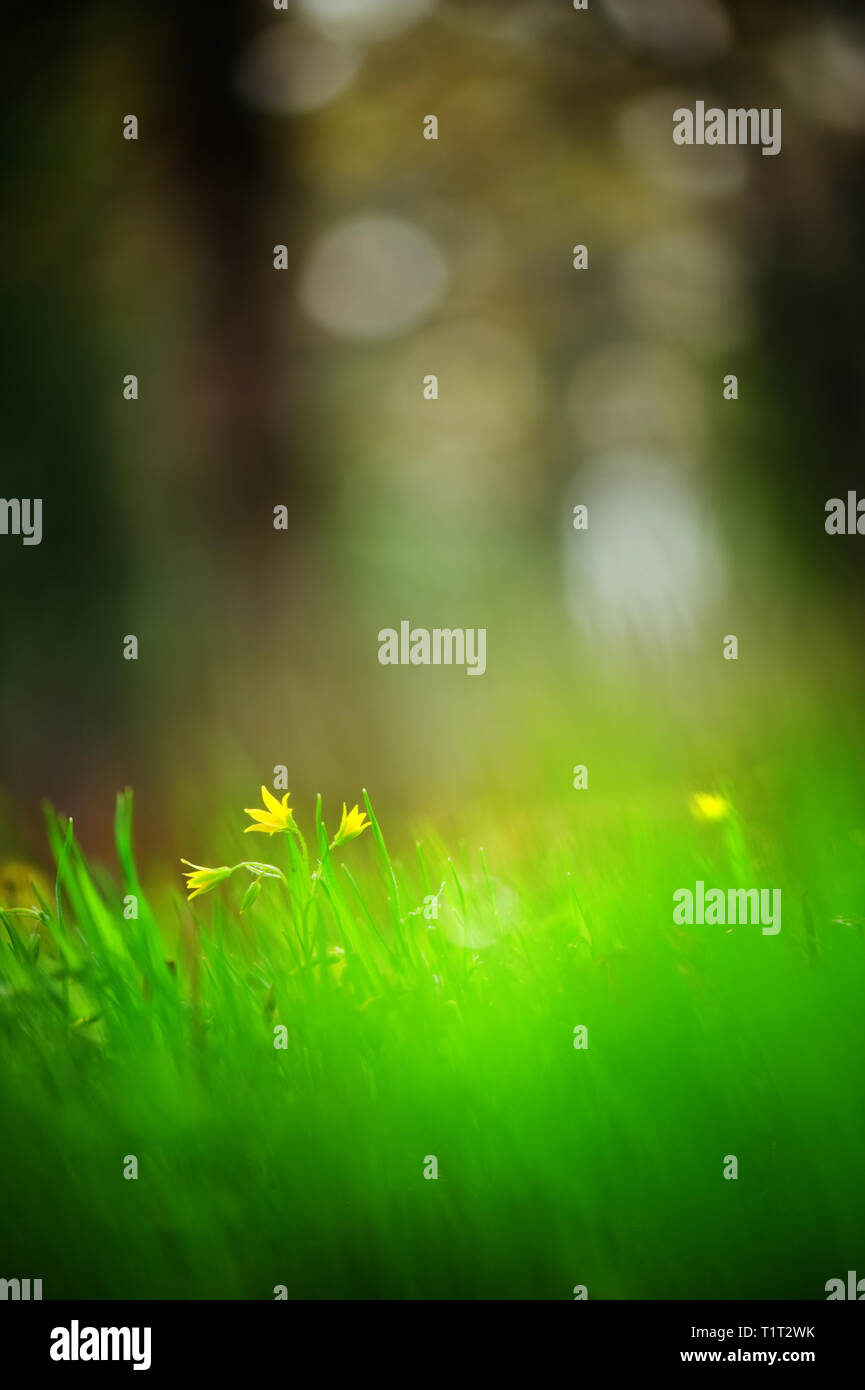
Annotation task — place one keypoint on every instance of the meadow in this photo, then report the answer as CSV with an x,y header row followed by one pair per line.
x,y
285,1054
362,348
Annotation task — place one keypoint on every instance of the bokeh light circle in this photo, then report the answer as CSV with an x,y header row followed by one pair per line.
x,y
373,277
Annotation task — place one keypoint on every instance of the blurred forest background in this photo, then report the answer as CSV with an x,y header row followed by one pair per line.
x,y
258,387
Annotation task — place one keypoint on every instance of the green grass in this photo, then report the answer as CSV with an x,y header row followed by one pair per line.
x,y
407,1037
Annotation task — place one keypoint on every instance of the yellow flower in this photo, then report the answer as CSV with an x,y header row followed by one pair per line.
x,y
21,885
705,806
353,823
22,888
203,879
277,816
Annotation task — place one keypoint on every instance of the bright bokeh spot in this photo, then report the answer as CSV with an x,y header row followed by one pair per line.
x,y
365,21
648,567
290,70
373,277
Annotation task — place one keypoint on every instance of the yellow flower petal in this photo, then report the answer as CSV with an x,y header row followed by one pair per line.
x,y
203,878
277,817
353,823
271,802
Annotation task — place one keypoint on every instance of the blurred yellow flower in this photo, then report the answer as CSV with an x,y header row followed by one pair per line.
x,y
705,806
278,815
202,880
23,889
353,823
22,885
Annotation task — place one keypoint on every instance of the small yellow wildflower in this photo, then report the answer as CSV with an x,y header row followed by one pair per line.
x,y
202,880
705,806
21,888
278,815
353,823
19,884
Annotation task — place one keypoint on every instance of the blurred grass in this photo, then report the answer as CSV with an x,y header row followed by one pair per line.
x,y
453,1037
